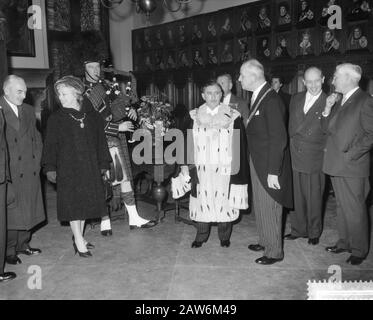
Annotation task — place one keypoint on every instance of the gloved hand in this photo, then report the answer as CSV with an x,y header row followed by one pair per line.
x,y
52,176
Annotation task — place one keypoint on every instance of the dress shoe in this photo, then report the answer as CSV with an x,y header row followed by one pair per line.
x,y
30,251
290,237
313,241
107,233
147,225
7,276
256,247
355,261
197,244
225,243
335,249
88,244
87,254
13,260
267,261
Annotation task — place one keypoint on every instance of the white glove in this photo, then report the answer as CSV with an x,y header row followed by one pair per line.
x,y
180,185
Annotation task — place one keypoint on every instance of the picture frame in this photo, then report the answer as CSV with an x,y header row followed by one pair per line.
x,y
306,43
21,38
330,41
358,38
245,20
283,45
226,51
263,18
197,30
227,25
283,15
244,49
212,54
264,47
305,14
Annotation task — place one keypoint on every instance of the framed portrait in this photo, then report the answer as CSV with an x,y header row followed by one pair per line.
x,y
244,18
138,62
305,14
159,38
170,60
244,49
159,60
324,6
148,43
263,18
148,64
197,30
137,40
170,35
306,44
284,47
330,41
284,15
358,38
212,54
359,10
211,27
264,47
183,58
197,57
226,23
182,33
226,51
20,38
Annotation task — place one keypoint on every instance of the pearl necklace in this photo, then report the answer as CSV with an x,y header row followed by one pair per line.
x,y
79,120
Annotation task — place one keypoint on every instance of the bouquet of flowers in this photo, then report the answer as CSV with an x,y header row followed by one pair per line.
x,y
152,112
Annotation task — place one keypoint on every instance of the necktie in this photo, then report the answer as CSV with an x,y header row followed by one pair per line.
x,y
253,98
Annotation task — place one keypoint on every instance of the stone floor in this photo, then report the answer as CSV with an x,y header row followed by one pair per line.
x,y
158,263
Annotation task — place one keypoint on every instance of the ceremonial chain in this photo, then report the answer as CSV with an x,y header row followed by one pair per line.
x,y
79,120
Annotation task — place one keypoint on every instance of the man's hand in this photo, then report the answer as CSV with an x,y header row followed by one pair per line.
x,y
52,176
273,182
126,126
330,102
132,114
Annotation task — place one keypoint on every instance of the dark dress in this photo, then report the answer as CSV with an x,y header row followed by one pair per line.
x,y
77,155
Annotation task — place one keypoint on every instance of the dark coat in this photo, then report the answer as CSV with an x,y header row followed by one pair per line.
x,y
268,146
25,203
4,156
77,155
307,137
350,129
243,106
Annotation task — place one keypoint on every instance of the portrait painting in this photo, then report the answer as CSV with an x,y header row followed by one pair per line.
x,y
264,19
244,49
182,34
212,54
306,44
197,57
197,30
359,10
283,14
325,15
148,44
357,38
306,13
20,38
137,40
170,35
170,59
263,47
226,52
283,47
330,41
211,27
245,23
148,62
159,38
183,58
226,24
159,63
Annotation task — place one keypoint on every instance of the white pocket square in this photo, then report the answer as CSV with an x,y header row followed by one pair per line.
x,y
257,113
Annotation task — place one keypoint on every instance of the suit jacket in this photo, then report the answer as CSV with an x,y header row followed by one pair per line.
x,y
285,98
4,157
25,204
350,129
243,106
268,146
307,137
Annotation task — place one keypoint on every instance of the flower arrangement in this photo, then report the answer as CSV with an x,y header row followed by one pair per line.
x,y
153,112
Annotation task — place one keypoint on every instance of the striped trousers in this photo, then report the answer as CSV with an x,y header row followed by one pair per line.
x,y
268,216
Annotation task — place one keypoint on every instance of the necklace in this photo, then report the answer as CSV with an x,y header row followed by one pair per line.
x,y
79,120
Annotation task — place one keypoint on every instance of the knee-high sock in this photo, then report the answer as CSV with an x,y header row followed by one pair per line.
x,y
105,223
133,215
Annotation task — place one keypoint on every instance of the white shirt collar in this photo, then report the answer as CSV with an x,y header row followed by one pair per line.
x,y
349,94
13,106
257,91
212,112
310,96
227,99
310,101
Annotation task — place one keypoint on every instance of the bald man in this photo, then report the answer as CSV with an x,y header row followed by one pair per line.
x,y
25,208
307,143
349,122
269,161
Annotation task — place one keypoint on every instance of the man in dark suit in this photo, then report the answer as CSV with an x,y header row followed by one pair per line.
x,y
4,178
307,143
269,161
242,106
346,159
277,83
25,207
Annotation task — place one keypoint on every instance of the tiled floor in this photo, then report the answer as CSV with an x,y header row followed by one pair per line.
x,y
158,263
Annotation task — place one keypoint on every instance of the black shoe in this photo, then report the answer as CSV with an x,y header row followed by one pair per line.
x,y
147,225
336,250
87,254
197,244
13,260
107,233
256,247
313,241
355,261
88,244
7,276
225,243
267,261
30,252
290,237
